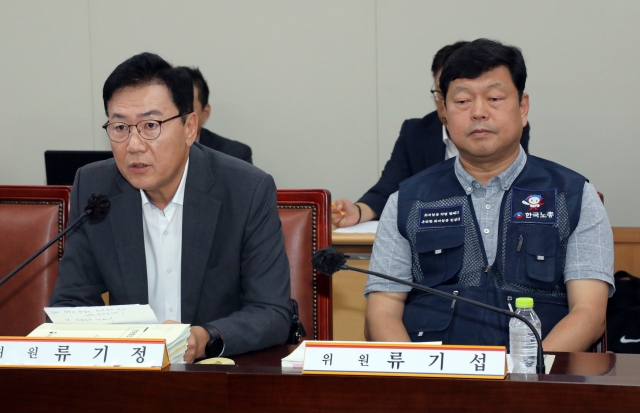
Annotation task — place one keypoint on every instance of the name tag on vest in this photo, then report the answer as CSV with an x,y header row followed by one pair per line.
x,y
441,217
533,206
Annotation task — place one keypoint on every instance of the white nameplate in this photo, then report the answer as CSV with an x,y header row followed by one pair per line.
x,y
410,359
49,352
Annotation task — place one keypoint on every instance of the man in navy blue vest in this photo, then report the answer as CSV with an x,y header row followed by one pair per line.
x,y
422,143
491,225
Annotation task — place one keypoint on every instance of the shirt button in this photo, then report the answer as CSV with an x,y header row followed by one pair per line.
x,y
171,309
169,269
486,230
488,206
166,232
477,185
469,189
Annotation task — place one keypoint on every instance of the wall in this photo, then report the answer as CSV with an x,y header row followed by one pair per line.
x,y
320,89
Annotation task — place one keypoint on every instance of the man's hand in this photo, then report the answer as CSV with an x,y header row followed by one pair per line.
x,y
345,213
195,343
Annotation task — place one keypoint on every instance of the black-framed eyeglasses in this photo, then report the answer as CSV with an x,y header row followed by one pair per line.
x,y
437,95
147,129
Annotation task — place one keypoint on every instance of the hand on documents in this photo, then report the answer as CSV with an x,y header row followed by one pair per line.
x,y
195,343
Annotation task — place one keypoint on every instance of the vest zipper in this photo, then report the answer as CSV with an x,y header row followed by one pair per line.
x,y
453,303
509,299
487,268
520,241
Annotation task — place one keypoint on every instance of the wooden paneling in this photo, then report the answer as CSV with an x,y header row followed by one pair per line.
x,y
626,245
349,304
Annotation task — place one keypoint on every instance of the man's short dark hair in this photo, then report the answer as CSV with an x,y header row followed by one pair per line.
x,y
150,69
443,54
199,83
480,56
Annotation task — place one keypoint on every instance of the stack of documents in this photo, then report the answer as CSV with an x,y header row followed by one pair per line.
x,y
116,321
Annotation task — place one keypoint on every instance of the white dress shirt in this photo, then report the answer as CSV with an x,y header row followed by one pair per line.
x,y
163,253
451,150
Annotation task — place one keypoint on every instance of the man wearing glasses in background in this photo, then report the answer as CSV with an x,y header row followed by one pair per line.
x,y
422,143
191,231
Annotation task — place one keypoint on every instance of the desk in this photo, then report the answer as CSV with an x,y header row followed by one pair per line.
x,y
598,383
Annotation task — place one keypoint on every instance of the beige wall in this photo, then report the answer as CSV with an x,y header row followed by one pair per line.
x,y
319,89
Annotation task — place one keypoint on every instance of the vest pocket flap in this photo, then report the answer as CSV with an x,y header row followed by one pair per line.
x,y
440,239
541,246
541,241
427,313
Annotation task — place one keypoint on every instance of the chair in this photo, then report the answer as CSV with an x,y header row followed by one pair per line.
x,y
30,216
306,224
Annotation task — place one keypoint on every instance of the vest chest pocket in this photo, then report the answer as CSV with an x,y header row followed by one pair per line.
x,y
534,261
440,254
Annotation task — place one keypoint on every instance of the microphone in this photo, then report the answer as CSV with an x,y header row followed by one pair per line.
x,y
329,260
97,207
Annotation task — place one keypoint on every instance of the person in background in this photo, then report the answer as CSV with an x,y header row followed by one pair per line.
x,y
422,143
491,224
202,108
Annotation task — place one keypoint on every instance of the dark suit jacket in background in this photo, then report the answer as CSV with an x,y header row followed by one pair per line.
x,y
418,147
235,272
233,148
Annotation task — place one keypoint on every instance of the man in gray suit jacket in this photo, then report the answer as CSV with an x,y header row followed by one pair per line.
x,y
191,231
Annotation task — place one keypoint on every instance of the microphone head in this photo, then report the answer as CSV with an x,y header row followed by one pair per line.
x,y
98,205
328,261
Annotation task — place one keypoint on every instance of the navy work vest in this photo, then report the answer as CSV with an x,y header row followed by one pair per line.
x,y
538,214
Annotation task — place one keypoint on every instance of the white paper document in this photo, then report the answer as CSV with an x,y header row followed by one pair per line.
x,y
112,314
548,363
369,227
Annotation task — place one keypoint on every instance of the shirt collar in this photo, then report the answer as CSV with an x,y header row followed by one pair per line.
x,y
445,135
178,198
504,178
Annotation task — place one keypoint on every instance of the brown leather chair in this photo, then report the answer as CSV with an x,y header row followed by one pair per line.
x,y
306,224
30,216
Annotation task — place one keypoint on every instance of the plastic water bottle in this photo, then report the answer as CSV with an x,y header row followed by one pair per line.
x,y
522,342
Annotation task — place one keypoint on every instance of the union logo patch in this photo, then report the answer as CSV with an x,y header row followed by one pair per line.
x,y
533,206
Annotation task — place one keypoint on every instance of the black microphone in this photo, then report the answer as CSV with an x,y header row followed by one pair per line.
x,y
97,207
329,260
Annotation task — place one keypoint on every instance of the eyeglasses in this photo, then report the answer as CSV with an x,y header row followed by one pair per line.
x,y
147,129
437,95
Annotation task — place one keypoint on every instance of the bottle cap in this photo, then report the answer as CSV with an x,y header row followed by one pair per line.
x,y
524,302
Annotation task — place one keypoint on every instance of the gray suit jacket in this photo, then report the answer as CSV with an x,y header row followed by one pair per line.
x,y
235,272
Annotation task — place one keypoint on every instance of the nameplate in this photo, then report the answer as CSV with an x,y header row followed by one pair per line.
x,y
410,359
92,353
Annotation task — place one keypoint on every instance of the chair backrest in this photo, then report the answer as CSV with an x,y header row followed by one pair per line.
x,y
306,224
30,216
